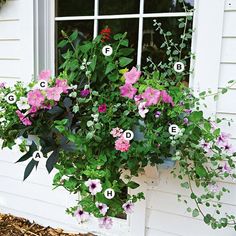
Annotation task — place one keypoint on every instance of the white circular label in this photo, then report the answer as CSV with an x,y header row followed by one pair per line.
x,y
179,67
37,155
107,50
174,129
42,84
11,98
109,193
128,135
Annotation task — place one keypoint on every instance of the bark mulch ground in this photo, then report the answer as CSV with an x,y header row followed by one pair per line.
x,y
15,226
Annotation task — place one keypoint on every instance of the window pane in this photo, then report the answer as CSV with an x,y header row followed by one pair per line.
x,y
115,7
121,26
85,29
152,6
74,7
152,39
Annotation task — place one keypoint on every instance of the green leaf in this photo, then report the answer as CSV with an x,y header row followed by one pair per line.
x,y
126,51
196,116
185,185
124,61
181,25
29,168
118,36
207,219
125,42
132,185
224,90
201,171
89,135
52,160
86,47
90,123
93,63
195,213
62,44
110,67
74,35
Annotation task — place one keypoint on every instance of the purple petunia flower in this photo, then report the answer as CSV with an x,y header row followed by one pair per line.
x,y
157,114
128,207
103,208
81,215
105,222
185,120
94,186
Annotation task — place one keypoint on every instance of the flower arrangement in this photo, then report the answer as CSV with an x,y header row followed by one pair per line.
x,y
86,120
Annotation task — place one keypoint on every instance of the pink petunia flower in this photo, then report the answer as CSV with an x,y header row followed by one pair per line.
x,y
45,75
157,114
206,146
166,98
81,215
228,148
54,93
25,120
142,109
2,85
33,110
116,132
132,76
94,186
35,98
122,144
62,83
102,108
128,91
186,121
105,222
103,208
128,207
152,96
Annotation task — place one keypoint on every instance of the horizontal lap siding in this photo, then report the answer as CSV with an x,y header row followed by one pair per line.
x,y
165,215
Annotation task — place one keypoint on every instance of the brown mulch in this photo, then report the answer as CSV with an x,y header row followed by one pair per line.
x,y
15,226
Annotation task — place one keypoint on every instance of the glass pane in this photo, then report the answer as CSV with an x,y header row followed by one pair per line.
x,y
85,29
121,26
152,6
115,7
152,39
74,7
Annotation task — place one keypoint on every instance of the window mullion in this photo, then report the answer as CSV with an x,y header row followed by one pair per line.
x,y
96,11
140,33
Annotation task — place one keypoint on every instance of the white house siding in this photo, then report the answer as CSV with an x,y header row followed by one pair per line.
x,y
165,216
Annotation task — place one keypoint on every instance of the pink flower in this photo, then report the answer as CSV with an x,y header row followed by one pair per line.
x,y
206,146
132,76
157,114
228,148
102,108
62,83
128,207
103,208
94,186
33,110
138,99
84,93
81,215
25,120
128,90
166,98
116,132
186,121
105,222
46,106
122,144
54,93
152,96
35,98
45,75
142,109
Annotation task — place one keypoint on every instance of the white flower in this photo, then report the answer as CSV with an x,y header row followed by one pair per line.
x,y
142,109
22,104
95,117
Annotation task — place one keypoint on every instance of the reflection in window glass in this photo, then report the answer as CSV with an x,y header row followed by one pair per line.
x,y
152,6
123,25
152,40
109,7
74,7
85,29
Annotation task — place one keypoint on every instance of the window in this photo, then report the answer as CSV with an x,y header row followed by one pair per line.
x,y
133,16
